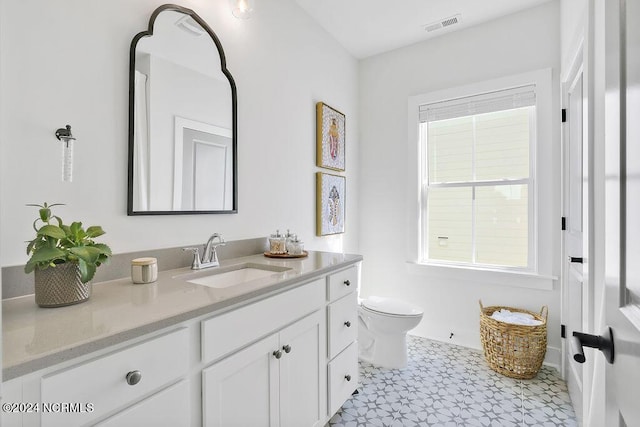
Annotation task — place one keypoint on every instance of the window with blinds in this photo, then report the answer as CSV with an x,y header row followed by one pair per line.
x,y
478,179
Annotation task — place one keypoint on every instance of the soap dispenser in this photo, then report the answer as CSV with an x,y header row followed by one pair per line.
x,y
295,246
287,238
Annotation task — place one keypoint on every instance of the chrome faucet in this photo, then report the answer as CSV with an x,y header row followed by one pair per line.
x,y
209,256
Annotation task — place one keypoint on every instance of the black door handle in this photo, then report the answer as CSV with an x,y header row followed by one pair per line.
x,y
604,343
575,259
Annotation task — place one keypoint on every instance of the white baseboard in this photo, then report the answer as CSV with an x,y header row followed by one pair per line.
x,y
553,358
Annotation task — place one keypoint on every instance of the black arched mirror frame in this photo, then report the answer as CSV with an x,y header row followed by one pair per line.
x,y
132,87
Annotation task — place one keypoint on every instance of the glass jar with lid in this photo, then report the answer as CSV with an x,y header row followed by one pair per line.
x,y
295,246
277,244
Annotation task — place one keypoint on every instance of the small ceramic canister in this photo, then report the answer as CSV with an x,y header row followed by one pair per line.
x,y
144,270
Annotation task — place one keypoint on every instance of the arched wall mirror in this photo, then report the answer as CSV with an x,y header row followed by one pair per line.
x,y
182,119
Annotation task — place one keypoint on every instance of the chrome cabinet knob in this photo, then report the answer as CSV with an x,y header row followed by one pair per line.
x,y
287,348
277,354
347,377
134,377
347,282
347,324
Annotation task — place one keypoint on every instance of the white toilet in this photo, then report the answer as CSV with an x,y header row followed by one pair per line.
x,y
382,331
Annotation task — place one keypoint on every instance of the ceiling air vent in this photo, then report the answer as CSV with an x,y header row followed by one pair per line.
x,y
189,25
443,23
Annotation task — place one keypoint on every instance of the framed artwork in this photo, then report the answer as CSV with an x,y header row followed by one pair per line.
x,y
330,137
330,203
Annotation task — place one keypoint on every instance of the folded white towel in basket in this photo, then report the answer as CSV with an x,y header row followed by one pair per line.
x,y
514,317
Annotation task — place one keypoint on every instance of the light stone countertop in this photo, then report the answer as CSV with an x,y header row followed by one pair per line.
x,y
118,310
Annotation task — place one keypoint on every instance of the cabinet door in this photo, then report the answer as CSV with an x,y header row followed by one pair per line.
x,y
302,377
242,390
170,407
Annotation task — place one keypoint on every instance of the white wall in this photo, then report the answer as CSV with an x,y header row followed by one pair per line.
x,y
66,62
514,44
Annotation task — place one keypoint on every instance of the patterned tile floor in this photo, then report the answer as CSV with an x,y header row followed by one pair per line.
x,y
450,385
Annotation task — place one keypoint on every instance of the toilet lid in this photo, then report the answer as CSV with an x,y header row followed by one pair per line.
x,y
391,306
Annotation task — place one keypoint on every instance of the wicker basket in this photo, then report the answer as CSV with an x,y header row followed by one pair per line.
x,y
516,351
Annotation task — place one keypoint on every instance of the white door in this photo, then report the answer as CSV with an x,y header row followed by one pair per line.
x,y
302,377
242,390
622,268
576,292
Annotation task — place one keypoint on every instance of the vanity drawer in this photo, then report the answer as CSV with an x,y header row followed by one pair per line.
x,y
237,328
342,318
170,407
100,386
341,283
343,377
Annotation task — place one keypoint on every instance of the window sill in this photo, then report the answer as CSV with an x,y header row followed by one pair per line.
x,y
484,276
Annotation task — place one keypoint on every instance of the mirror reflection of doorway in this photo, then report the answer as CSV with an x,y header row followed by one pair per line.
x,y
204,170
203,166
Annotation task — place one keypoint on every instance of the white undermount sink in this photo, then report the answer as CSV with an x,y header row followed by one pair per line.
x,y
244,273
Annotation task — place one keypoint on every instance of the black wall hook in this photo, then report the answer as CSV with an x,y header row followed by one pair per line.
x,y
604,343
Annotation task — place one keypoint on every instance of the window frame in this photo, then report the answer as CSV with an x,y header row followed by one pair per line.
x,y
540,275
473,184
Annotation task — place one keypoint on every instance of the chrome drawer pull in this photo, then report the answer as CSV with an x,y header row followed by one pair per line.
x,y
287,348
347,377
347,324
134,377
347,282
277,354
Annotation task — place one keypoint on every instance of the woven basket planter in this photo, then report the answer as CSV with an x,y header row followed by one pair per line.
x,y
60,286
516,351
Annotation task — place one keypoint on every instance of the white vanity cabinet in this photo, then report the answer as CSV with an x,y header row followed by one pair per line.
x,y
342,334
279,380
287,357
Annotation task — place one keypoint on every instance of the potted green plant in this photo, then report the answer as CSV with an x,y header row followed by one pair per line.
x,y
64,259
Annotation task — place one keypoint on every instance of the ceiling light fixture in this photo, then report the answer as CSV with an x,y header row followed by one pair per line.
x,y
242,9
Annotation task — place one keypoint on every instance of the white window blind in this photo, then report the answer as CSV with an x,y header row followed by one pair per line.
x,y
523,96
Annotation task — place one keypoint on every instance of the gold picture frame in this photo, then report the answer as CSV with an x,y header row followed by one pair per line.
x,y
330,137
330,203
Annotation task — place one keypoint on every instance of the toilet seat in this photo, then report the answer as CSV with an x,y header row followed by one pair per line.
x,y
391,307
